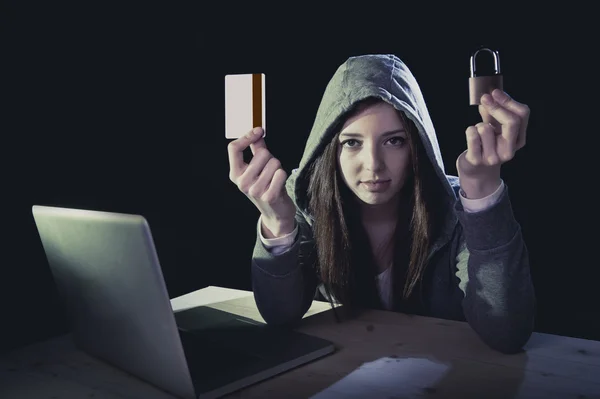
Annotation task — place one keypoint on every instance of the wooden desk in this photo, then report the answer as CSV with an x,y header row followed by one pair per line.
x,y
551,366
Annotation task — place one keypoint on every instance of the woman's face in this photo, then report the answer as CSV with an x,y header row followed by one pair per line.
x,y
374,154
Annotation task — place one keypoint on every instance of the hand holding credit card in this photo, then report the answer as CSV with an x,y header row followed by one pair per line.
x,y
263,179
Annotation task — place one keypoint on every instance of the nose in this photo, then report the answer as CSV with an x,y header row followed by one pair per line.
x,y
372,159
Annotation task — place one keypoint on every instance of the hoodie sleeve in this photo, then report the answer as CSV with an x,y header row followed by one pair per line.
x,y
494,274
284,279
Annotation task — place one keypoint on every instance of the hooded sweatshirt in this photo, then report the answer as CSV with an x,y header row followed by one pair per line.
x,y
478,265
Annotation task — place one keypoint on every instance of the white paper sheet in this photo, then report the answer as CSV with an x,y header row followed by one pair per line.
x,y
388,377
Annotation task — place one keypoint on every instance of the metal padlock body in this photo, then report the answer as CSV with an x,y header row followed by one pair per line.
x,y
480,85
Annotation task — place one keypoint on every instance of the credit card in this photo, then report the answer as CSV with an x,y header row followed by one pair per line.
x,y
245,105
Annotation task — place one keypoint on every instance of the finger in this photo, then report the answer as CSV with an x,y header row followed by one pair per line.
x,y
488,143
276,188
517,108
509,121
235,150
264,179
487,118
253,170
522,134
473,146
506,101
260,143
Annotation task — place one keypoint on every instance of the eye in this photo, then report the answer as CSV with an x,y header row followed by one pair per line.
x,y
349,141
399,140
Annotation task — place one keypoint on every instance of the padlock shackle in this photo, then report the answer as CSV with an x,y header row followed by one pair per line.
x,y
494,54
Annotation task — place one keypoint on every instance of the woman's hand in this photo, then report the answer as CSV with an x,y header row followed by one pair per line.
x,y
491,143
263,182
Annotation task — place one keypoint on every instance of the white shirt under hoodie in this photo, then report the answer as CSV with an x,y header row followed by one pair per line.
x,y
281,244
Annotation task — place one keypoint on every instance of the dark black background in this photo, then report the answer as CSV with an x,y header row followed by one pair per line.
x,y
120,107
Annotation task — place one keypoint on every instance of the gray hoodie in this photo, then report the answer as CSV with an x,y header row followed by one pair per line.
x,y
478,265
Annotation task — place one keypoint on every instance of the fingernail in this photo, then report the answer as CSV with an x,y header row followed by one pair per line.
x,y
487,99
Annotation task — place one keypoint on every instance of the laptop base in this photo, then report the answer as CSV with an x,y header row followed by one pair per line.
x,y
227,352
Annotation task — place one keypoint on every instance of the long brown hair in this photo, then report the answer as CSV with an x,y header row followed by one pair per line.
x,y
345,258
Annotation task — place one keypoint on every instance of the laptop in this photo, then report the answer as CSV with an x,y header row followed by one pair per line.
x,y
107,271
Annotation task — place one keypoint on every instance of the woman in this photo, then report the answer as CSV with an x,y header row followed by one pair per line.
x,y
369,219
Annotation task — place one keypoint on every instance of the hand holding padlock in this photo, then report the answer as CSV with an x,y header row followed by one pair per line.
x,y
496,139
480,85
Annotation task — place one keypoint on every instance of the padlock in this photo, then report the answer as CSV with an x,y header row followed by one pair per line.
x,y
480,85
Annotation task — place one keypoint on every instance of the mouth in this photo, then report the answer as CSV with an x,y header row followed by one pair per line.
x,y
376,185
380,181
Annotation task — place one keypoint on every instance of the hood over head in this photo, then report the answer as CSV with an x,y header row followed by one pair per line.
x,y
373,75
